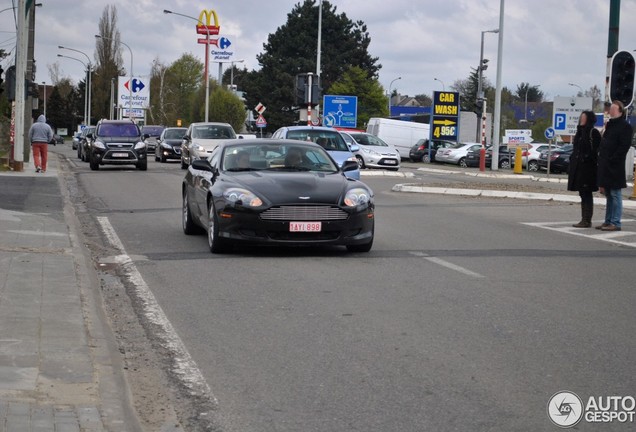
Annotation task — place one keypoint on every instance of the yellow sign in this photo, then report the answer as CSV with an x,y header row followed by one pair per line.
x,y
179,122
204,27
444,122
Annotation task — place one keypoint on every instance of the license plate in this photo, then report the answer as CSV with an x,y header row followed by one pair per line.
x,y
122,155
305,226
390,162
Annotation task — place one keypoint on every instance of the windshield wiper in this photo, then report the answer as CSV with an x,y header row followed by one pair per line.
x,y
286,168
238,169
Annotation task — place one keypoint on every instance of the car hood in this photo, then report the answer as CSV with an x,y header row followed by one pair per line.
x,y
107,140
386,151
288,187
209,144
340,156
172,142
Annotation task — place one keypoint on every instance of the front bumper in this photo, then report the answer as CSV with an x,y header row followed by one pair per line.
x,y
119,156
381,162
247,226
169,153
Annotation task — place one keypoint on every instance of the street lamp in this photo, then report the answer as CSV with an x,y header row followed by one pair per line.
x,y
130,86
391,85
44,84
85,87
443,85
483,65
207,61
576,85
88,89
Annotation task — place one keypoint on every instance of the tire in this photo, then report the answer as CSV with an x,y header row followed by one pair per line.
x,y
189,227
142,165
216,244
156,157
162,158
504,164
183,164
94,164
426,158
462,163
533,165
79,155
361,164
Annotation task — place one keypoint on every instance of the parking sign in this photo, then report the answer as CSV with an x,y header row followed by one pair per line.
x,y
566,113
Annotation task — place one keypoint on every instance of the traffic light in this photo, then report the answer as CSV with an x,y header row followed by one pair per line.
x,y
300,89
316,91
32,89
622,78
10,76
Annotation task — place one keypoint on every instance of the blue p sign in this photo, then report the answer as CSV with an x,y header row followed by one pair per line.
x,y
559,121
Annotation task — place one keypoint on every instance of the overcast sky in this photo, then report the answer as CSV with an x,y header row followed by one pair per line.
x,y
545,42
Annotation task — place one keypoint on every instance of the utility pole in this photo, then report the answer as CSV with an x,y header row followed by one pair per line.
x,y
20,74
30,74
612,41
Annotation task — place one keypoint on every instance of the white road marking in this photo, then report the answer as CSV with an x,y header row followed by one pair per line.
x,y
448,265
615,237
184,366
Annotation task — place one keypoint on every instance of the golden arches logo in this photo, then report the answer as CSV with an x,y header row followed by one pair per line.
x,y
205,18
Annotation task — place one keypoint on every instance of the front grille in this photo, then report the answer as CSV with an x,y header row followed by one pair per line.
x,y
304,213
119,146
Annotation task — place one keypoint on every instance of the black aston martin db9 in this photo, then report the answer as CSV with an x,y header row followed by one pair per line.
x,y
276,192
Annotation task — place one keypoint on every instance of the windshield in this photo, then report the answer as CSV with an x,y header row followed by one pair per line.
x,y
213,132
174,133
369,140
275,156
118,130
153,131
329,140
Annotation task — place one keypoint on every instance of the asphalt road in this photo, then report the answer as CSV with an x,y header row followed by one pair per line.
x,y
462,317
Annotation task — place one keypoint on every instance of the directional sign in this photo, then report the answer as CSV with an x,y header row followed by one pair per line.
x,y
340,111
445,119
518,136
566,113
550,133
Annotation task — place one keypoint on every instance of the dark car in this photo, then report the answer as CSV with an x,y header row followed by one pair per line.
x,y
473,156
58,139
117,142
83,145
153,132
419,152
169,144
276,192
76,140
559,159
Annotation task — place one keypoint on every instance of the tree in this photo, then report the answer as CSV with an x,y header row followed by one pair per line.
x,y
292,50
424,99
183,81
533,92
55,111
467,89
597,101
225,107
109,62
371,99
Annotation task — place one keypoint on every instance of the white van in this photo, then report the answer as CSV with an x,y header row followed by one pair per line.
x,y
400,134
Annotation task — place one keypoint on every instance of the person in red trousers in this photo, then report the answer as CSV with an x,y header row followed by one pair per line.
x,y
40,135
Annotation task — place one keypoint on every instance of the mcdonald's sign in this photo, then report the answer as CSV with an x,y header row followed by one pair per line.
x,y
204,27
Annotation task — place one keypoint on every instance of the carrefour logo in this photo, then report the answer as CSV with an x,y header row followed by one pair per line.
x,y
224,43
135,85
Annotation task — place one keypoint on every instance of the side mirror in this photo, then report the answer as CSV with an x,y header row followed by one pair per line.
x,y
202,165
349,166
354,148
89,136
146,136
186,138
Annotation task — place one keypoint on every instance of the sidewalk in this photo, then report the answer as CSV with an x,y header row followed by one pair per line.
x,y
57,368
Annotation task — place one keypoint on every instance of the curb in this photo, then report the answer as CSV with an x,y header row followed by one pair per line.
x,y
500,194
383,173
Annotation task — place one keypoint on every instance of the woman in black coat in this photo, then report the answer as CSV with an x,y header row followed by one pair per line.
x,y
584,166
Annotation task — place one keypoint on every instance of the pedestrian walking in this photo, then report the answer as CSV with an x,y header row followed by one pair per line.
x,y
40,135
582,174
611,165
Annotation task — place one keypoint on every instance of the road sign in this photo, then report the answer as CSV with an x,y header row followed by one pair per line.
x,y
260,108
260,121
550,133
518,136
566,113
445,118
340,111
138,87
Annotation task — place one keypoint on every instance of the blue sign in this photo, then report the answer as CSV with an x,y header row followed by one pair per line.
x,y
560,121
340,111
550,133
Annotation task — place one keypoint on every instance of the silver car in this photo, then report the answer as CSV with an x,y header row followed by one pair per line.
x,y
373,152
201,138
456,154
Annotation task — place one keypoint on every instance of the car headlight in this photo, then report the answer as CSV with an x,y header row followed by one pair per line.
x,y
99,145
199,148
140,145
242,197
369,151
356,197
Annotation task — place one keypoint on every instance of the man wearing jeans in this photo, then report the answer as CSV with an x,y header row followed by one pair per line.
x,y
611,165
40,135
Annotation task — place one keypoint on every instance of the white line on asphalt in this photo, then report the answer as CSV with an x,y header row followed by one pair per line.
x,y
444,263
184,366
566,228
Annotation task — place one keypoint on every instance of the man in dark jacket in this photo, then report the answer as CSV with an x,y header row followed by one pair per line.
x,y
611,165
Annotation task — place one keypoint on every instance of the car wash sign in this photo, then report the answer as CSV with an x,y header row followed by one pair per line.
x,y
137,88
445,118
